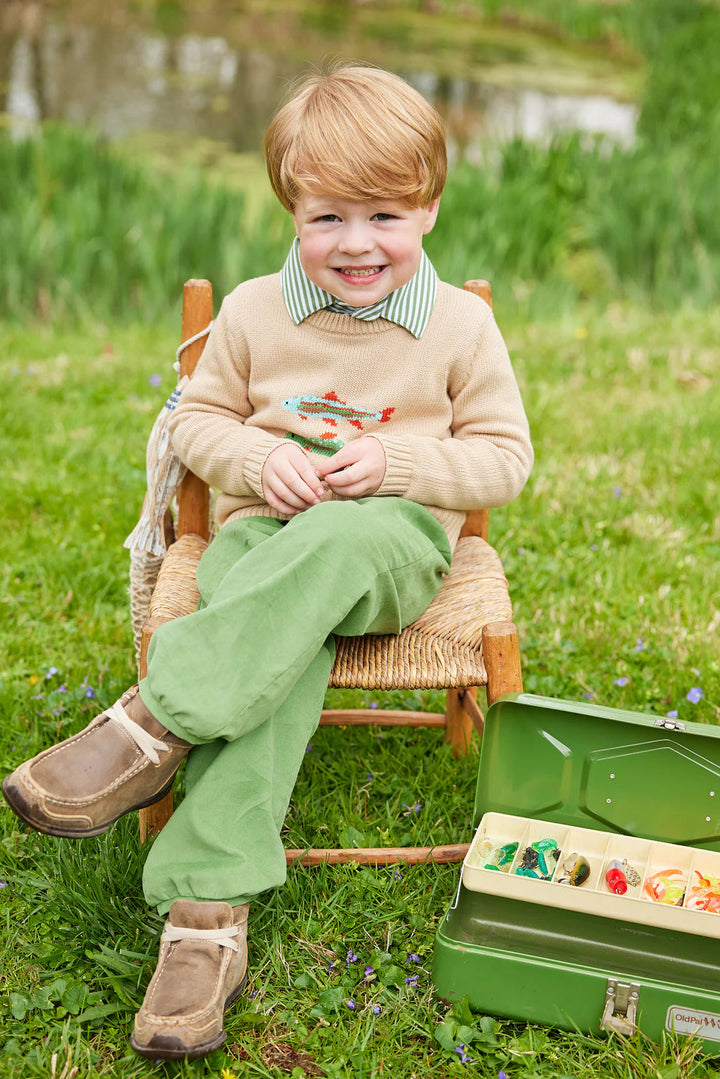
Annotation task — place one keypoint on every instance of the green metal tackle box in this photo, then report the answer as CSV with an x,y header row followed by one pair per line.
x,y
639,791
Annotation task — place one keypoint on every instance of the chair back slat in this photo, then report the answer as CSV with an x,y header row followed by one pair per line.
x,y
194,494
477,521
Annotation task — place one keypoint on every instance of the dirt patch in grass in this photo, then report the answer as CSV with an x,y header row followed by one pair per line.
x,y
281,1055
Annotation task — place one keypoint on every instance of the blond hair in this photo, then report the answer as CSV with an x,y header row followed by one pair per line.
x,y
357,133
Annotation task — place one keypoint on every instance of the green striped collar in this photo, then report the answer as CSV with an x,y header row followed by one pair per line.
x,y
410,306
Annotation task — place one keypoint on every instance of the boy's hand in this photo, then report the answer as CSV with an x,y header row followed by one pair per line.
x,y
289,481
356,470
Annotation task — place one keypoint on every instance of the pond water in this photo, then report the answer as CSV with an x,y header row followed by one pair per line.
x,y
217,70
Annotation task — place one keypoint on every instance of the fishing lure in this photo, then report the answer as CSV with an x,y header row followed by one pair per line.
x,y
576,870
539,860
616,878
705,895
667,886
500,857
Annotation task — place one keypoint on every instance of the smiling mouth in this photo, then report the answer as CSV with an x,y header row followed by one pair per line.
x,y
361,271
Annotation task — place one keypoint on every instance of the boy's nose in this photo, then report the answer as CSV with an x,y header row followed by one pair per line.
x,y
355,240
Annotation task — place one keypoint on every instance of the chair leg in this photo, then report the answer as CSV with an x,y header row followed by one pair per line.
x,y
501,653
153,818
458,723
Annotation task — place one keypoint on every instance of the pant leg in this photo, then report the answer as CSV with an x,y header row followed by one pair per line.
x,y
223,840
370,566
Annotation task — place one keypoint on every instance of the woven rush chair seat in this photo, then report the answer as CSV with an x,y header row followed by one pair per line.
x,y
440,650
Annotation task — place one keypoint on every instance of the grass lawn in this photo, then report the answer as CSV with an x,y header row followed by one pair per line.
x,y
613,554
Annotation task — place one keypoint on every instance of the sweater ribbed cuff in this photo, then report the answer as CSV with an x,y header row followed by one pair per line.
x,y
398,466
256,457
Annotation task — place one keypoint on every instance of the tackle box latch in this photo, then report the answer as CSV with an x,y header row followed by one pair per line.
x,y
620,1011
670,724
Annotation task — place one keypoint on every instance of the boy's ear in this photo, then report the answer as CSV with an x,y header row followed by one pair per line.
x,y
432,211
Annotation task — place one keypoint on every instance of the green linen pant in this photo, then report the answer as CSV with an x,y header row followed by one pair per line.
x,y
243,678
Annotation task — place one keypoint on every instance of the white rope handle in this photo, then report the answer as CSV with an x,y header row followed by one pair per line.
x,y
190,341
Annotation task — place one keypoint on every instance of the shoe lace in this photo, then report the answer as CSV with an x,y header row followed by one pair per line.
x,y
223,937
142,738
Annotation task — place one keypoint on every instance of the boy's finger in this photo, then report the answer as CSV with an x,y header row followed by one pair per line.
x,y
345,477
339,460
303,482
283,498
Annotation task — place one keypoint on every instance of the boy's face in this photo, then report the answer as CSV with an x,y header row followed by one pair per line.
x,y
360,251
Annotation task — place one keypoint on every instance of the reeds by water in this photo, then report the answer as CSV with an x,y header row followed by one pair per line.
x,y
86,229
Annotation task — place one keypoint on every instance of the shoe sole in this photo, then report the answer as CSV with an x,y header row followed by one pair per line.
x,y
21,810
181,1052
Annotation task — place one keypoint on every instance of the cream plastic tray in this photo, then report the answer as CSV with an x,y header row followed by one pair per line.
x,y
594,896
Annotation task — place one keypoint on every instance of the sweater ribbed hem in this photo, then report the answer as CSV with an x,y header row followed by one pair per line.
x,y
255,459
398,466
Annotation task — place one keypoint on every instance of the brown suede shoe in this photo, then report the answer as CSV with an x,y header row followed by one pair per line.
x,y
123,760
201,969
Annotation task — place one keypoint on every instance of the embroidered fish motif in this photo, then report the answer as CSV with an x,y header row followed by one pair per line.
x,y
326,445
330,409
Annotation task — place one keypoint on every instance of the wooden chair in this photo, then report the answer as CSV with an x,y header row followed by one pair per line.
x,y
465,639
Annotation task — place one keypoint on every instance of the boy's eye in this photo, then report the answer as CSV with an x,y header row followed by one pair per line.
x,y
384,217
327,217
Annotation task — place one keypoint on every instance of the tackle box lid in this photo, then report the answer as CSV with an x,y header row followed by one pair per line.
x,y
604,768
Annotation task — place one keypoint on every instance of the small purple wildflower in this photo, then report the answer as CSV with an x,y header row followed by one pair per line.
x,y
376,1009
593,546
350,957
351,1004
412,981
464,1058
374,704
412,809
37,697
331,966
369,777
155,380
639,645
58,711
254,993
369,973
617,492
52,671
589,695
3,884
397,874
620,681
672,714
61,689
694,695
502,1075
308,748
89,692
412,958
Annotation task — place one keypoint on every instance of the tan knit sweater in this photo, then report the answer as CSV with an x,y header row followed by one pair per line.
x,y
446,408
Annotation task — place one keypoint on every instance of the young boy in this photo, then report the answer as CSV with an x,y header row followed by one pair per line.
x,y
349,409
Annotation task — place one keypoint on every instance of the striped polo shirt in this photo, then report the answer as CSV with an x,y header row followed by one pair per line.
x,y
409,306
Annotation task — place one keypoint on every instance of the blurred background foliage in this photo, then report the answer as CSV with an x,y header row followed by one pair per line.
x,y
88,229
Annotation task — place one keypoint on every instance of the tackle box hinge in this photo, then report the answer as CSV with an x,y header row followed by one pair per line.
x,y
620,1011
670,724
